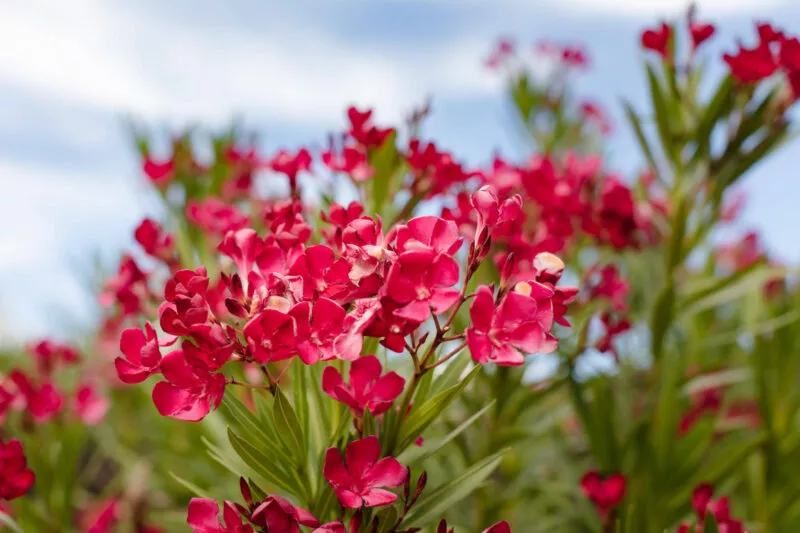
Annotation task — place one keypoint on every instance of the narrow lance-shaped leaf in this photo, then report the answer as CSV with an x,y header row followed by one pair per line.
x,y
432,505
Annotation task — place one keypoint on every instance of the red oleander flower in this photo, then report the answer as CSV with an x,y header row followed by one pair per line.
x,y
90,406
594,113
215,216
605,493
203,517
42,402
352,161
189,392
243,247
421,280
607,282
15,476
278,515
331,527
359,482
48,354
160,173
428,233
291,164
657,40
751,65
491,213
154,240
322,273
703,504
321,335
128,288
368,389
142,355
184,303
363,131
700,33
498,333
271,336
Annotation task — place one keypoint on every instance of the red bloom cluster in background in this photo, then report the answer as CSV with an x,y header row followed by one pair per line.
x,y
15,476
606,493
703,504
36,395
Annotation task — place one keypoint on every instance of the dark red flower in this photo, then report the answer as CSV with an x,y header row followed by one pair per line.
x,y
15,476
500,527
189,392
700,33
491,213
243,247
657,40
359,482
367,387
751,65
606,493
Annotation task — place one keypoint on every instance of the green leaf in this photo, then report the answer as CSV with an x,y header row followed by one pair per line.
x,y
289,430
710,525
416,422
428,452
264,467
731,288
662,318
246,423
385,161
194,489
662,116
432,505
719,107
644,145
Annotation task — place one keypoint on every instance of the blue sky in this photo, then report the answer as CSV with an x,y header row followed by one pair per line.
x,y
70,72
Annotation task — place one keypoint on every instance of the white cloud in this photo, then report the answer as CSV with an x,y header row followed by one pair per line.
x,y
161,66
669,7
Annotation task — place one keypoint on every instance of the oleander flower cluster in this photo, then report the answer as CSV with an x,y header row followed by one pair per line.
x,y
350,337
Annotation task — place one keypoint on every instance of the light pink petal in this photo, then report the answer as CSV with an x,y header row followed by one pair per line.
x,y
347,347
505,355
131,342
416,311
388,472
443,299
481,310
378,497
348,498
480,347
